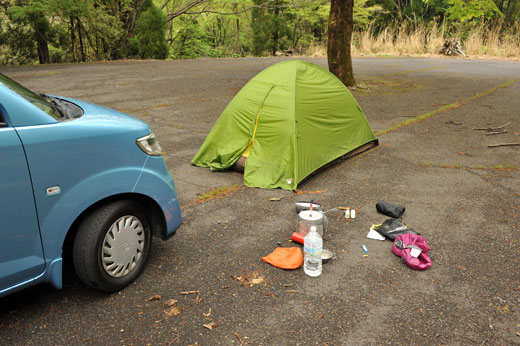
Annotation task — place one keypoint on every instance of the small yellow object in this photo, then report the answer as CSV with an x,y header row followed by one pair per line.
x,y
365,255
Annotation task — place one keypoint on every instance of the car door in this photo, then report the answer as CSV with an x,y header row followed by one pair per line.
x,y
21,253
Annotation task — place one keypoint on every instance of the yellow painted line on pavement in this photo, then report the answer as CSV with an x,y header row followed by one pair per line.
x,y
445,108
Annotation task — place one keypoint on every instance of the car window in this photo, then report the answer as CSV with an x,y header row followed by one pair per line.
x,y
2,120
33,98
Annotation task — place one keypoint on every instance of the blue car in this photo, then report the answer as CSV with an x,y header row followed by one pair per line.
x,y
82,179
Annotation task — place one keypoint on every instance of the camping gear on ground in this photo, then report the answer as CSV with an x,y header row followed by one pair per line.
x,y
308,218
350,213
285,257
392,228
300,206
286,123
414,249
312,249
297,237
326,255
389,209
373,234
314,206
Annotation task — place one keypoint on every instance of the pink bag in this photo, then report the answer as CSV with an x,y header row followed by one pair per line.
x,y
409,244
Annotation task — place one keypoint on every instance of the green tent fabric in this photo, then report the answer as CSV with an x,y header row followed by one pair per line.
x,y
305,118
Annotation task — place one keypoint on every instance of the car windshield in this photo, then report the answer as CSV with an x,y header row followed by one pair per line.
x,y
33,98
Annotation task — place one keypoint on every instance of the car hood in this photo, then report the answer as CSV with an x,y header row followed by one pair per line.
x,y
94,112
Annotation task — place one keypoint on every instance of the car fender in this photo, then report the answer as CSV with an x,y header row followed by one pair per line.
x,y
70,204
155,182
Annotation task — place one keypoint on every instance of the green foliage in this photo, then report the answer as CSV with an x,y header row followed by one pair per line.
x,y
150,29
271,31
192,42
44,31
364,12
464,10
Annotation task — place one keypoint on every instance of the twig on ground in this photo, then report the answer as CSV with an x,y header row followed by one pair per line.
x,y
239,339
491,128
503,145
177,337
496,133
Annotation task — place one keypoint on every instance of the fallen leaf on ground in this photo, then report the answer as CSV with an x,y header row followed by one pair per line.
x,y
276,199
291,291
249,280
269,294
208,313
170,302
173,311
257,281
210,326
188,292
287,285
155,297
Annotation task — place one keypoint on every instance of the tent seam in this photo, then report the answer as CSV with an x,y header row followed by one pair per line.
x,y
295,138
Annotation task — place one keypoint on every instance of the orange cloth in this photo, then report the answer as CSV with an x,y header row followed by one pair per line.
x,y
285,258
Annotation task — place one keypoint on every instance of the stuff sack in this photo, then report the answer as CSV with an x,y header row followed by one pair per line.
x,y
392,228
414,249
285,258
389,209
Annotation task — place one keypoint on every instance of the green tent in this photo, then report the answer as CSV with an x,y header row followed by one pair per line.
x,y
288,121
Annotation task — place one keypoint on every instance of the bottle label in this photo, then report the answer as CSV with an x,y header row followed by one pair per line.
x,y
313,249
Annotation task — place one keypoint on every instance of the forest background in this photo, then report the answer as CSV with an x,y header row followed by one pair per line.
x,y
58,31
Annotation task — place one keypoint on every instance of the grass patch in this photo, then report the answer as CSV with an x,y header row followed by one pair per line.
x,y
409,38
445,108
217,193
450,166
509,167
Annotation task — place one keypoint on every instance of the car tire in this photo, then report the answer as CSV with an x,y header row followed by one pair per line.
x,y
111,245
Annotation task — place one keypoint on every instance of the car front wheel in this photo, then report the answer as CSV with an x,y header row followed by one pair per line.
x,y
111,245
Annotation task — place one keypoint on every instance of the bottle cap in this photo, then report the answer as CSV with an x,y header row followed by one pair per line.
x,y
313,228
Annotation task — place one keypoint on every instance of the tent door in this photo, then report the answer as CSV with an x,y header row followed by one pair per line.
x,y
241,163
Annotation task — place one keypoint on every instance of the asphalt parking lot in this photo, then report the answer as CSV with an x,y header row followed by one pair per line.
x,y
462,195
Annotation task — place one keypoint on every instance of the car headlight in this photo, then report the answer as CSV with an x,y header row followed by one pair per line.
x,y
150,145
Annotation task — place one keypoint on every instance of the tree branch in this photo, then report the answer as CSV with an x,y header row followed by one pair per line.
x,y
184,9
189,6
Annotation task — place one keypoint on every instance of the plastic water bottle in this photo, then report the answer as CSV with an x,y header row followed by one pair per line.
x,y
312,247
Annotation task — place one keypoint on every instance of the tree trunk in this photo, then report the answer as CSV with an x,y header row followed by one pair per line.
x,y
43,49
341,22
239,46
73,42
80,35
276,33
41,27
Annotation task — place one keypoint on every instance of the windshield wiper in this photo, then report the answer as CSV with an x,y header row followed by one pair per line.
x,y
55,105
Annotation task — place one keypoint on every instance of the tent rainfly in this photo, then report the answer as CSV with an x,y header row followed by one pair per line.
x,y
287,122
